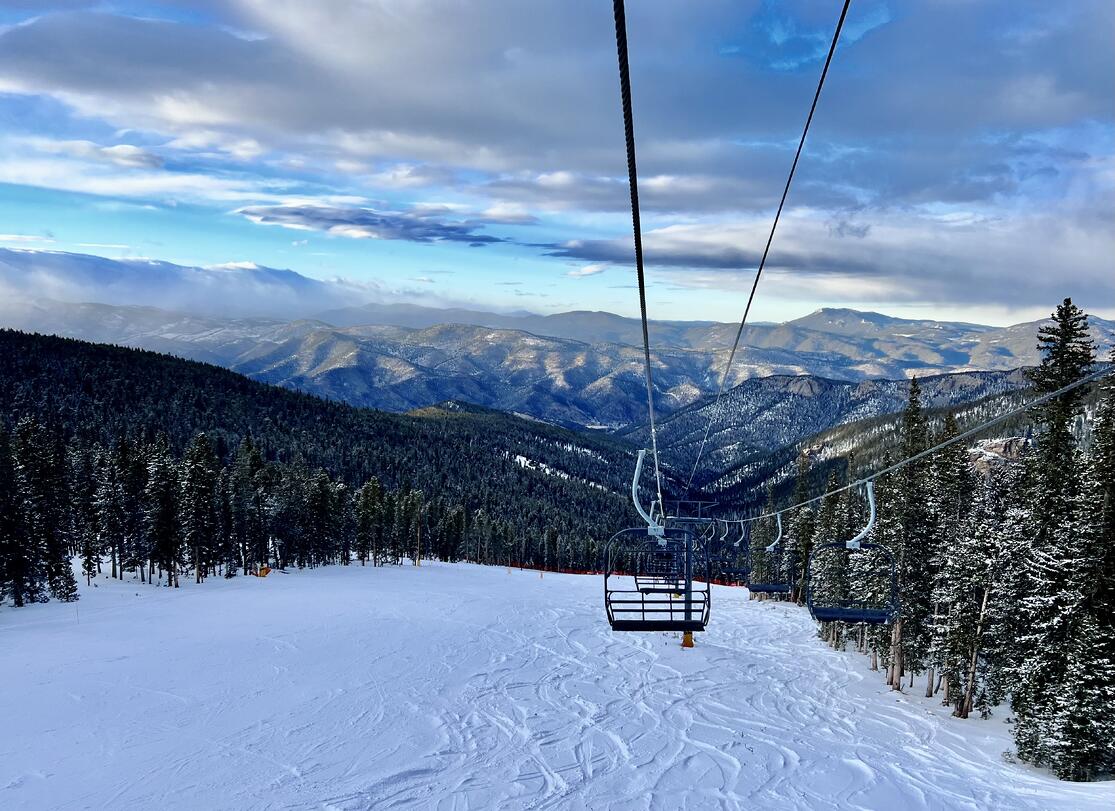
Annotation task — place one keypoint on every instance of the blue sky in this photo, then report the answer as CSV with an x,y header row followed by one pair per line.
x,y
961,165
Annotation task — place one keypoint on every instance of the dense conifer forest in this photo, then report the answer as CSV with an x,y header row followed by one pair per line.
x,y
160,468
1006,580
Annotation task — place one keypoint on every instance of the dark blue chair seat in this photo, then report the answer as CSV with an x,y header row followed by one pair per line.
x,y
852,614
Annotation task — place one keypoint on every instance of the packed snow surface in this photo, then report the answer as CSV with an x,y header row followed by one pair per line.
x,y
458,687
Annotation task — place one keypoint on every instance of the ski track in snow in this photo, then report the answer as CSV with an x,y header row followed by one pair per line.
x,y
456,687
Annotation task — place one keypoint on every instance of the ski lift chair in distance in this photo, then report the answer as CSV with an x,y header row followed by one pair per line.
x,y
854,611
649,576
738,573
718,554
780,584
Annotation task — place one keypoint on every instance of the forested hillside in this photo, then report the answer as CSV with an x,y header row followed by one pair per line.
x,y
1000,580
163,465
870,439
764,415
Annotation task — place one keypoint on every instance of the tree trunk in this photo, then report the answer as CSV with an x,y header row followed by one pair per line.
x,y
966,703
894,674
929,683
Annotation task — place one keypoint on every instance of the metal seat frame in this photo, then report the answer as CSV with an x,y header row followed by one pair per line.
x,y
657,604
772,588
852,611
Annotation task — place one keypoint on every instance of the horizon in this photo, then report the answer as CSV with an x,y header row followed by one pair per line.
x,y
475,159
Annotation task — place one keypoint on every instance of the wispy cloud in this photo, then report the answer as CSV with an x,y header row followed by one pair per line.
x,y
588,270
21,238
422,225
126,155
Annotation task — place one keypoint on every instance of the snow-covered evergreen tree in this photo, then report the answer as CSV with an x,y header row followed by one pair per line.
x,y
198,505
1057,530
1083,724
111,511
21,558
40,465
914,547
952,486
160,502
829,572
802,527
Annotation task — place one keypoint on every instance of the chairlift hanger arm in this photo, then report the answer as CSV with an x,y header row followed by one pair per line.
x,y
653,527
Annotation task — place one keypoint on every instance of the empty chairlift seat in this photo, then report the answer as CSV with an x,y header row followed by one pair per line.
x,y
649,581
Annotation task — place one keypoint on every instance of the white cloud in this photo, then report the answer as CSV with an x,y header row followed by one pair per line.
x,y
21,238
234,288
125,155
241,148
588,270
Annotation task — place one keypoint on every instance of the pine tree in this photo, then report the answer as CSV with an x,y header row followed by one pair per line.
x,y
801,531
966,589
21,576
111,511
952,487
131,467
228,550
1068,354
368,517
1057,533
915,546
1083,726
160,499
82,477
872,577
829,573
198,505
41,486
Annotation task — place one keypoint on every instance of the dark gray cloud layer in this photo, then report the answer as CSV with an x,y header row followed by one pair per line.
x,y
933,103
367,223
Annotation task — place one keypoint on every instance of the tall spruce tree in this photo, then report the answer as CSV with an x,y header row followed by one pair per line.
x,y
198,505
802,527
953,483
40,465
21,574
160,503
1083,724
915,546
1056,535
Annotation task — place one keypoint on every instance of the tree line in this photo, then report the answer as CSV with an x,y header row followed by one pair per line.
x,y
1005,579
138,511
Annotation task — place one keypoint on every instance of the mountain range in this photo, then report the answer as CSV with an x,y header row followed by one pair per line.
x,y
576,369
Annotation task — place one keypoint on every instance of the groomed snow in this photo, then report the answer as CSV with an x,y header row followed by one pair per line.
x,y
458,687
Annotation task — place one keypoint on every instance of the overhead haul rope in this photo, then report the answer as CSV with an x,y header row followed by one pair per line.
x,y
1045,398
633,180
770,239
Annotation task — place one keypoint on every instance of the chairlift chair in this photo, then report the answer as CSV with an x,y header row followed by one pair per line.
x,y
649,575
739,573
781,585
856,611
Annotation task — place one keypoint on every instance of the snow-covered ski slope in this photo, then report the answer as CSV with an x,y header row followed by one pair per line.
x,y
458,687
